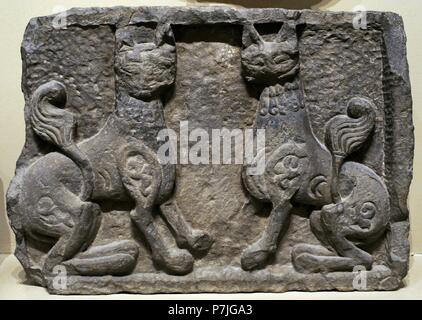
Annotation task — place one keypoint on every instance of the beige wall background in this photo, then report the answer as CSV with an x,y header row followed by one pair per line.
x,y
16,14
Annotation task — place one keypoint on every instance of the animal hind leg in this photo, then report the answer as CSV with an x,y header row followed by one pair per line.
x,y
345,255
76,239
314,259
117,258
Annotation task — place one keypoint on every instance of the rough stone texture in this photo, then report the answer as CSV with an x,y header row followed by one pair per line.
x,y
90,197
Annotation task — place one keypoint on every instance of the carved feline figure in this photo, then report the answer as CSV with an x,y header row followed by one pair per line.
x,y
61,191
301,169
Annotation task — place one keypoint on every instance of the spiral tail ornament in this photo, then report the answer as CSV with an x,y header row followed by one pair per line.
x,y
345,134
52,123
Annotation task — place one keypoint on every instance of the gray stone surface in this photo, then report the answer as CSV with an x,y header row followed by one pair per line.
x,y
95,211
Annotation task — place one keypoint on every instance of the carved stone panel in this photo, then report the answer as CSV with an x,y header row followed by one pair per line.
x,y
214,150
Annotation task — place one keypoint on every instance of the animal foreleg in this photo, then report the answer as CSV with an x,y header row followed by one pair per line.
x,y
172,259
141,175
257,254
186,236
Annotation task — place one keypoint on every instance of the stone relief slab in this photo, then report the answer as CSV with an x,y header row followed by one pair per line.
x,y
288,149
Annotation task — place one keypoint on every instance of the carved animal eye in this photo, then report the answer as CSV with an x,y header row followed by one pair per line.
x,y
368,210
280,59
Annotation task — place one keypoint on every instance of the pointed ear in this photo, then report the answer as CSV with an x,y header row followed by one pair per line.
x,y
293,14
124,37
250,36
164,34
127,43
287,32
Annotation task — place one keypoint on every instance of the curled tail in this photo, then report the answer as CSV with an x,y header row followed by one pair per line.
x,y
55,125
344,134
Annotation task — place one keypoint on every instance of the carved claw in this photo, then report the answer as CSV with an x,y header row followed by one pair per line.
x,y
198,240
256,256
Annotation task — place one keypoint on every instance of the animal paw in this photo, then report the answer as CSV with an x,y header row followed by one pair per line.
x,y
306,257
175,261
116,259
255,256
306,263
199,241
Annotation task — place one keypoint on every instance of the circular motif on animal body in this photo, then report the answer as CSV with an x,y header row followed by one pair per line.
x,y
136,166
317,187
45,205
291,162
368,210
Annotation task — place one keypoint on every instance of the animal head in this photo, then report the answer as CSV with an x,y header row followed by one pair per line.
x,y
144,70
270,62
